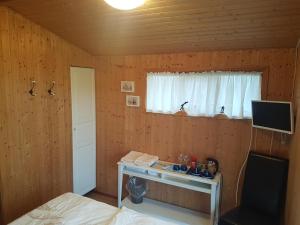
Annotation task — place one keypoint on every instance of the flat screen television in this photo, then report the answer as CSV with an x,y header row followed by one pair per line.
x,y
273,115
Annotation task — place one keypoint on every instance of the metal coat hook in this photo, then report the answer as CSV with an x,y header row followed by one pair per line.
x,y
51,90
32,90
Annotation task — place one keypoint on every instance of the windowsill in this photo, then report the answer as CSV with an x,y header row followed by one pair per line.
x,y
184,114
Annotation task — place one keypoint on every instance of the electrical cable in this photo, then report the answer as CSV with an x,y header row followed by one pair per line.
x,y
255,139
295,69
271,145
242,168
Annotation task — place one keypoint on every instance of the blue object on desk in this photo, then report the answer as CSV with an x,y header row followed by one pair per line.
x,y
205,173
176,167
183,168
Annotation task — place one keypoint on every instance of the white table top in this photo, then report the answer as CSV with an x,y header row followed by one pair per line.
x,y
216,180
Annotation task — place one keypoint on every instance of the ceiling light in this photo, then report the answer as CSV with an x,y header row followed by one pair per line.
x,y
125,4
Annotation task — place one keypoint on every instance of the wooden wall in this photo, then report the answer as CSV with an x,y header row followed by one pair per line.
x,y
293,198
121,129
35,132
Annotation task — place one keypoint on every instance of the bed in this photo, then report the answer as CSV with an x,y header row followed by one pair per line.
x,y
74,209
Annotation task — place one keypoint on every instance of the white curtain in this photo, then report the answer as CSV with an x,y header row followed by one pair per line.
x,y
206,93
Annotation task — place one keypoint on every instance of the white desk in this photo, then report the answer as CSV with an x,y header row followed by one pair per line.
x,y
209,186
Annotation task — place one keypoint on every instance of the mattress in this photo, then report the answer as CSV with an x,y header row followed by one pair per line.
x,y
74,209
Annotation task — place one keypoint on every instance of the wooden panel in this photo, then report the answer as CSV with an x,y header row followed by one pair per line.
x,y
293,198
35,132
121,129
167,26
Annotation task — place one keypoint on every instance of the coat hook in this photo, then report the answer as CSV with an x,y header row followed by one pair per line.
x,y
51,90
32,90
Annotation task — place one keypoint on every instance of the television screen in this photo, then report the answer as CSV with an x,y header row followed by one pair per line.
x,y
271,115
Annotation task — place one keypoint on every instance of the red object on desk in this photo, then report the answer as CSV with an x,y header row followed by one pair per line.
x,y
193,166
193,162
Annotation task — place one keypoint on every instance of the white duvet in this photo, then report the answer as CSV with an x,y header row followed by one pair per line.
x,y
74,209
131,217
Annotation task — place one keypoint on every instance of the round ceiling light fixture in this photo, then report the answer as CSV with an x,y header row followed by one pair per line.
x,y
125,4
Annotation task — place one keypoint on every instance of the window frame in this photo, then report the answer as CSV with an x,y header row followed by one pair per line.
x,y
264,85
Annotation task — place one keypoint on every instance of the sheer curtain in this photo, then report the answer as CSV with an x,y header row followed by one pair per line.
x,y
206,93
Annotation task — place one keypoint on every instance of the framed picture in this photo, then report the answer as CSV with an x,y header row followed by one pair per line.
x,y
133,101
127,86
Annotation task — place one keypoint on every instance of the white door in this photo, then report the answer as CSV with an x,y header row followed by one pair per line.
x,y
84,129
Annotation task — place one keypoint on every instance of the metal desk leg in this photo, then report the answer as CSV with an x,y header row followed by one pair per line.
x,y
120,184
213,201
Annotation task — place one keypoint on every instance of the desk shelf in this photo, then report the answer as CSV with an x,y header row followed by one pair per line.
x,y
172,180
158,174
168,212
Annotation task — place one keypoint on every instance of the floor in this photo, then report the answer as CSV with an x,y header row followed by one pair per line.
x,y
160,210
168,212
111,200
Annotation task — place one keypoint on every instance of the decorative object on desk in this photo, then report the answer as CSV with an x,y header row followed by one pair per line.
x,y
193,165
176,167
183,159
180,158
137,189
195,169
183,167
186,159
212,165
133,101
127,86
208,170
203,173
193,162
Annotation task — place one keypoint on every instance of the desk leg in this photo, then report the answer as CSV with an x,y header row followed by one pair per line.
x,y
120,184
218,195
213,201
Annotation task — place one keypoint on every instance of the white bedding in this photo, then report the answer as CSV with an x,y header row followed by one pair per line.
x,y
131,217
74,209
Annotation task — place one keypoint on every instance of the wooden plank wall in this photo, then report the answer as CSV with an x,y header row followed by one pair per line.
x,y
35,132
293,197
121,128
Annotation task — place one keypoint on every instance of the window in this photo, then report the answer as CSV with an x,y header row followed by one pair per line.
x,y
206,93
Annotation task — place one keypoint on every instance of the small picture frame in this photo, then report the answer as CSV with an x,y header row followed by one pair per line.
x,y
133,101
127,86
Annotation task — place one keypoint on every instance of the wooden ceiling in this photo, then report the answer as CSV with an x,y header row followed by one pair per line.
x,y
164,26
